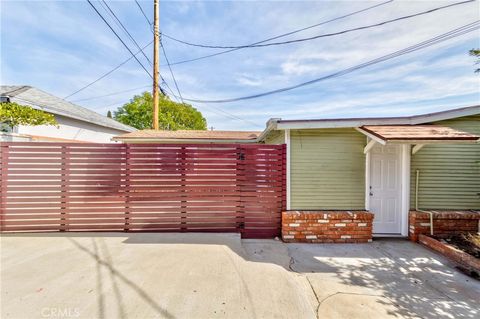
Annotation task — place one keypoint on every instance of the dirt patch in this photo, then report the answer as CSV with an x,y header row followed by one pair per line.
x,y
469,243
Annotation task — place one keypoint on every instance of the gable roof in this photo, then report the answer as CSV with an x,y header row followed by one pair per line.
x,y
41,100
361,121
188,135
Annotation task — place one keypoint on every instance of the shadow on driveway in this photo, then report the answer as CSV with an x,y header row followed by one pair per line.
x,y
219,275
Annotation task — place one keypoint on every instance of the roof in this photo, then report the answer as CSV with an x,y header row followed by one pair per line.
x,y
44,101
417,133
187,135
361,121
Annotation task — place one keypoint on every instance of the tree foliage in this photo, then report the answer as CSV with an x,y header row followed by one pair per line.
x,y
13,114
476,53
172,115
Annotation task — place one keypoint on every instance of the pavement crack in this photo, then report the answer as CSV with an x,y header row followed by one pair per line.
x,y
316,296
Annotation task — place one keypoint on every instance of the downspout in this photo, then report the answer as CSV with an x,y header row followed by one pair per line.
x,y
417,179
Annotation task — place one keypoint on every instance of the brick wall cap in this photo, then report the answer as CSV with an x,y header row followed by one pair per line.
x,y
331,214
447,214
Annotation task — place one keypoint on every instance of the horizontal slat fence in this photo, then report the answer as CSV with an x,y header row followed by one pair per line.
x,y
142,187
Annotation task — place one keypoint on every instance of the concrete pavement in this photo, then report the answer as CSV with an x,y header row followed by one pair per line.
x,y
94,275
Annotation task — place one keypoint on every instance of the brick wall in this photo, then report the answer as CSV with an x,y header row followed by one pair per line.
x,y
444,223
327,226
469,261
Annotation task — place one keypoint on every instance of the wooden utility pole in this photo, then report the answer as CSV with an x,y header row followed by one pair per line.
x,y
156,65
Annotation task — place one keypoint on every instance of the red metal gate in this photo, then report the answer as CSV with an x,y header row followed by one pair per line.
x,y
142,187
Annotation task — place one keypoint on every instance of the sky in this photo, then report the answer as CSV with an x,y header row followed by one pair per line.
x,y
61,46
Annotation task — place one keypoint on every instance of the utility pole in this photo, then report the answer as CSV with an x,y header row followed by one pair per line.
x,y
156,65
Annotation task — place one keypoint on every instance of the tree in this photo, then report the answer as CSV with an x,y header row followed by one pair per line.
x,y
109,114
172,115
13,114
476,53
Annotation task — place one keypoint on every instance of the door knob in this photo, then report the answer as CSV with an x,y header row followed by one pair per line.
x,y
371,194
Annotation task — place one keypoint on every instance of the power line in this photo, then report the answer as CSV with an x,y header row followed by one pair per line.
x,y
119,38
284,34
126,31
438,39
320,35
143,12
124,44
107,73
111,94
218,53
171,71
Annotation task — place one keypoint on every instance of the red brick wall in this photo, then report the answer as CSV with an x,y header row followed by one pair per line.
x,y
444,223
457,255
327,226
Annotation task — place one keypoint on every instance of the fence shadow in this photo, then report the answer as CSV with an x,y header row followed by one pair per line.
x,y
409,280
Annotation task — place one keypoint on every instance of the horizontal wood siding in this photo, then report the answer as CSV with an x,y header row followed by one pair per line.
x,y
327,169
142,187
449,173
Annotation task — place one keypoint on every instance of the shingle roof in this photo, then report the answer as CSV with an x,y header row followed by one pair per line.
x,y
418,132
188,135
55,105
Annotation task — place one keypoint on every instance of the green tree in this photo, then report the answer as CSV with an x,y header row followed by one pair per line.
x,y
476,53
13,114
172,115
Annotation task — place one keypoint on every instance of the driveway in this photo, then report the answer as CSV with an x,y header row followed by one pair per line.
x,y
93,275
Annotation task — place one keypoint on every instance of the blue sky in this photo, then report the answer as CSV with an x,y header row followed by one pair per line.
x,y
60,46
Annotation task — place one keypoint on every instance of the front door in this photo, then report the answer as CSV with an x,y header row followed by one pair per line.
x,y
385,189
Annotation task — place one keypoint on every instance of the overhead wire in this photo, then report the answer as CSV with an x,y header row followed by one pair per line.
x,y
112,94
285,34
214,109
438,39
143,12
106,74
218,53
126,31
123,42
118,37
320,35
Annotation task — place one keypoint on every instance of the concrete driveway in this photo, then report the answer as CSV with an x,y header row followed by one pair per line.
x,y
95,275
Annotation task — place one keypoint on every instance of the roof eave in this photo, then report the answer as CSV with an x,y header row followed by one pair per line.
x,y
358,122
178,140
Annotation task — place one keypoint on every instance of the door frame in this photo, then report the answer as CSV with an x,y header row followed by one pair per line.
x,y
405,153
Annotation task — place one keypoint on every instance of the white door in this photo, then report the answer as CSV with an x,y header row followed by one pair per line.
x,y
385,189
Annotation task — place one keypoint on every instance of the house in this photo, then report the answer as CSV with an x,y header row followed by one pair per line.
x,y
189,136
75,123
387,166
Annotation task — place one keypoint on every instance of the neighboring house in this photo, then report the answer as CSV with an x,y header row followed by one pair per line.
x,y
75,123
189,136
385,165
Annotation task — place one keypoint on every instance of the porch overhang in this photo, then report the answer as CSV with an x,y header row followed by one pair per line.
x,y
417,135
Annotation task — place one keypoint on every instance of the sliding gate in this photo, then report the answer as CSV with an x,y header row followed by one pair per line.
x,y
142,187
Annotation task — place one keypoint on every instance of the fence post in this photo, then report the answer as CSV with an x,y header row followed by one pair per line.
x,y
65,181
127,187
241,179
284,177
183,168
3,182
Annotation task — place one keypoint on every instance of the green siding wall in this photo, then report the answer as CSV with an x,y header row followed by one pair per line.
x,y
327,169
449,173
275,137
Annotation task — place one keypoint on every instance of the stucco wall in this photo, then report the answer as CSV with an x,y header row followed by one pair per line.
x,y
449,173
327,169
72,129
